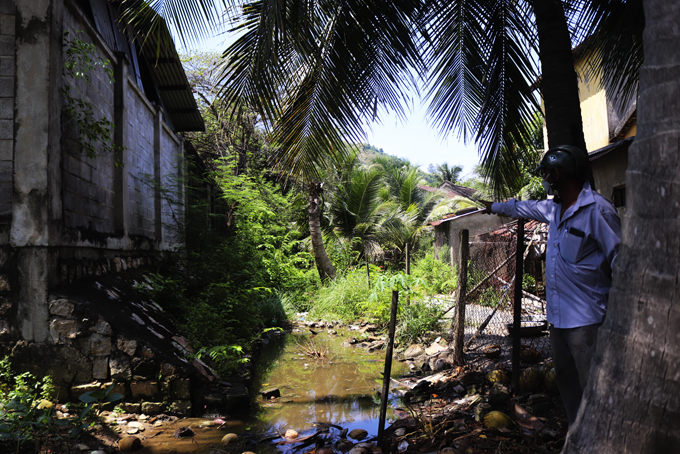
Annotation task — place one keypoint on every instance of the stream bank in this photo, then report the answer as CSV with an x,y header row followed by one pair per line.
x,y
320,387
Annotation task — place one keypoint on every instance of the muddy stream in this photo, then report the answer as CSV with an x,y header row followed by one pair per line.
x,y
341,388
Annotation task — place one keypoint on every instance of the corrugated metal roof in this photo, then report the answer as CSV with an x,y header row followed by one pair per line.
x,y
593,155
170,80
175,92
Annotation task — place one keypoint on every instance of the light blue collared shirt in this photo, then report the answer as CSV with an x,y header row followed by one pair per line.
x,y
579,256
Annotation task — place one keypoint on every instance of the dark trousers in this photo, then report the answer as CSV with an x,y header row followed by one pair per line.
x,y
573,350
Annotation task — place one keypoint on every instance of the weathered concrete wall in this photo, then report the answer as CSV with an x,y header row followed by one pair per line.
x,y
141,115
7,67
112,202
172,183
88,190
71,215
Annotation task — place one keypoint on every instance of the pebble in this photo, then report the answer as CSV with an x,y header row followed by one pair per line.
x,y
136,425
290,433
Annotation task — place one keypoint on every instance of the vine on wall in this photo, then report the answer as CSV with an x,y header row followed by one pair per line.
x,y
80,60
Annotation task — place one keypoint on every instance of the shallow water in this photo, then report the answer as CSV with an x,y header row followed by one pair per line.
x,y
341,389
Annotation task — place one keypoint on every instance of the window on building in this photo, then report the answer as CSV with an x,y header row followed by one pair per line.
x,y
619,196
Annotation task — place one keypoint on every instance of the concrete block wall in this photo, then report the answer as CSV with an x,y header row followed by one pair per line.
x,y
141,115
7,70
171,168
88,191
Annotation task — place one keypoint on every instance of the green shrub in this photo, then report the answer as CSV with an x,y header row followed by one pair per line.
x,y
438,277
416,320
28,420
347,298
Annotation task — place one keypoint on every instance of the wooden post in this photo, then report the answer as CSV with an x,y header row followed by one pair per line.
x,y
408,259
458,331
368,274
384,398
408,269
517,313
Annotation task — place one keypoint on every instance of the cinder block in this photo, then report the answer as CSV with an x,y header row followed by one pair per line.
x,y
6,44
7,25
7,7
6,108
6,129
7,87
7,66
6,150
6,168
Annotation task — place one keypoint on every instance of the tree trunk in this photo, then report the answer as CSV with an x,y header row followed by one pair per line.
x,y
458,328
632,402
323,263
559,83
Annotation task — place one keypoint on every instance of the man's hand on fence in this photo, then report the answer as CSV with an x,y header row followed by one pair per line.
x,y
487,206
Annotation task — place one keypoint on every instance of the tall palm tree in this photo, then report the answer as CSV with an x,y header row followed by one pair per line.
x,y
444,172
632,401
355,209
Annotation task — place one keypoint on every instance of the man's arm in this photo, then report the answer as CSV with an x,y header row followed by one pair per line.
x,y
539,210
608,235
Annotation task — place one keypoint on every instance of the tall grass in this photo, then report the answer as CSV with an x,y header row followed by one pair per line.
x,y
347,298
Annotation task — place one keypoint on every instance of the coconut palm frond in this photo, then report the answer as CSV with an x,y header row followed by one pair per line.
x,y
613,47
191,20
448,206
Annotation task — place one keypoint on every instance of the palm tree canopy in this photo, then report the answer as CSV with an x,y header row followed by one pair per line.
x,y
318,71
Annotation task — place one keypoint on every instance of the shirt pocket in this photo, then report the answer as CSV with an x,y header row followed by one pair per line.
x,y
570,247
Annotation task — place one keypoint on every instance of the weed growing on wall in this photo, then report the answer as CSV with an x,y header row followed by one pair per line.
x,y
80,61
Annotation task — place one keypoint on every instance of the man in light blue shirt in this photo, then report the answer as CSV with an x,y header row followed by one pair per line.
x,y
583,240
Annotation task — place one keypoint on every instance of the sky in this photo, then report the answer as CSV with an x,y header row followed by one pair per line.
x,y
412,138
415,140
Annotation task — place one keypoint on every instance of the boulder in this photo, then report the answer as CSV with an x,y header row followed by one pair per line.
x,y
61,307
119,365
413,351
64,363
358,434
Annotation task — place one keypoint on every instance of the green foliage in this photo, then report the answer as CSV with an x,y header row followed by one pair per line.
x,y
80,60
416,321
243,266
27,416
437,276
347,298
490,297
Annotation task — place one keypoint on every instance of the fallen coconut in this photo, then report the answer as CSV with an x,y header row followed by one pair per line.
x,y
497,376
497,420
129,444
228,438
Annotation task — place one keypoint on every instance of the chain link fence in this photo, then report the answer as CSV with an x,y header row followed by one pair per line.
x,y
491,291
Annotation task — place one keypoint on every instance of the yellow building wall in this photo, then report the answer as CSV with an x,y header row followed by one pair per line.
x,y
593,108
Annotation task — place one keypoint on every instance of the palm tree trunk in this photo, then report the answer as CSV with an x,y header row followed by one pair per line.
x,y
632,403
323,263
559,84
